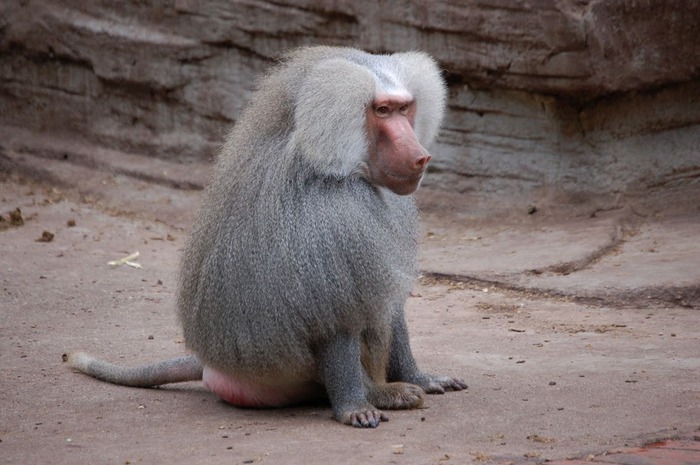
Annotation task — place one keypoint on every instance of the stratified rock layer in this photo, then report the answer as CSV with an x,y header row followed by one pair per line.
x,y
549,100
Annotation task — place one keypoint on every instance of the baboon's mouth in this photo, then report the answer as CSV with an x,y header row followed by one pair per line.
x,y
401,184
403,177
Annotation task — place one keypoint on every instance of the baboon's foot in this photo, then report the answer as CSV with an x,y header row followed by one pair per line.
x,y
396,396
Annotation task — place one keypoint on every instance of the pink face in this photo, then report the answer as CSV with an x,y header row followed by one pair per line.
x,y
396,160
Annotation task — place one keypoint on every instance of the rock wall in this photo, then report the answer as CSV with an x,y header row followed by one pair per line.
x,y
549,99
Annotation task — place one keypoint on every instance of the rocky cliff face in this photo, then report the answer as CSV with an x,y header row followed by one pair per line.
x,y
548,98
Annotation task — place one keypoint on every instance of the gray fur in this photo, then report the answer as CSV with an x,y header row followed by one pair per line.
x,y
175,370
297,265
292,244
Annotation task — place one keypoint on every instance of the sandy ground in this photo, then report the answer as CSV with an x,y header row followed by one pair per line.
x,y
577,333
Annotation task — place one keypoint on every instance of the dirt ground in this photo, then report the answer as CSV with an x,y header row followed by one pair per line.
x,y
576,331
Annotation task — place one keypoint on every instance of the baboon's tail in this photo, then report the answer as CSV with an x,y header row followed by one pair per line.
x,y
174,370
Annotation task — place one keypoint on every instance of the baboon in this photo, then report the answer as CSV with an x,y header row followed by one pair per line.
x,y
294,277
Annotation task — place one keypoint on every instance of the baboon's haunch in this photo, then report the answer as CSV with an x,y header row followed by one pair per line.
x,y
293,281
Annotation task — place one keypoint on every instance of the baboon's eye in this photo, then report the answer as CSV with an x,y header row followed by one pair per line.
x,y
383,110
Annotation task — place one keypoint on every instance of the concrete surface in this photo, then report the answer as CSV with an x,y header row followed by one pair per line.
x,y
576,331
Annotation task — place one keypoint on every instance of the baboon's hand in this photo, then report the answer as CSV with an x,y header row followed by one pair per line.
x,y
366,417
